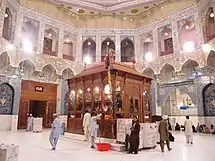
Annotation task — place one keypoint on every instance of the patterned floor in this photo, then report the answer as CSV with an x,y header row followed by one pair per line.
x,y
35,147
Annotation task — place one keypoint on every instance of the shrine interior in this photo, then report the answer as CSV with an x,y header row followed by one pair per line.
x,y
116,59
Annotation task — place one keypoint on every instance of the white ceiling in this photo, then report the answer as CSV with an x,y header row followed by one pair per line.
x,y
106,5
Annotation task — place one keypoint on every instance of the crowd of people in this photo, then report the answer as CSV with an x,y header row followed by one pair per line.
x,y
198,129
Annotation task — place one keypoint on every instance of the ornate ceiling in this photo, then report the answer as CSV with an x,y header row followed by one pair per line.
x,y
127,7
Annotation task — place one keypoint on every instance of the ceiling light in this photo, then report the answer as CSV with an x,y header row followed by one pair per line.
x,y
166,34
187,27
206,47
212,15
5,15
27,46
89,43
50,35
67,40
87,59
124,18
131,19
189,46
10,46
108,43
148,56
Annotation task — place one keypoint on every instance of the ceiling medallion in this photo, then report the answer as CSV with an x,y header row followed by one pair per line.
x,y
69,7
80,10
134,10
92,12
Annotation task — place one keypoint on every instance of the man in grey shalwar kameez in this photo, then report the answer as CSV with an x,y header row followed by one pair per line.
x,y
55,132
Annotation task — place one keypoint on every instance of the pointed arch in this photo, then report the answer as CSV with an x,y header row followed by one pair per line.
x,y
7,98
127,50
209,24
167,65
4,59
107,44
7,26
67,73
211,59
190,63
89,49
149,72
49,66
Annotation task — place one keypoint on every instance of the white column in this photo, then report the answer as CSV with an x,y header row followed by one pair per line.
x,y
118,48
199,31
79,44
41,37
175,39
2,12
98,48
155,43
60,44
137,53
18,29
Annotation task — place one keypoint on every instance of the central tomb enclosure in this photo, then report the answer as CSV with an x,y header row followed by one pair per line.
x,y
121,94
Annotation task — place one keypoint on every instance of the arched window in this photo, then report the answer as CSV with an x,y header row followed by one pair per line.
x,y
50,46
107,45
127,50
89,50
68,48
7,27
210,25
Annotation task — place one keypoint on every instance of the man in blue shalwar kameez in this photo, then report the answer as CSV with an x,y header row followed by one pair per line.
x,y
55,132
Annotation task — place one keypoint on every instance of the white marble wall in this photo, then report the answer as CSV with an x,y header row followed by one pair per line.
x,y
8,122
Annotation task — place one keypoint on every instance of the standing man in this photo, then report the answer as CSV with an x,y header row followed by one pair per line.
x,y
134,137
55,132
86,125
164,133
188,130
30,123
94,128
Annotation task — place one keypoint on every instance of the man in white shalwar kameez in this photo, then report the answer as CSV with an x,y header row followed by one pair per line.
x,y
55,132
86,125
30,123
94,128
188,130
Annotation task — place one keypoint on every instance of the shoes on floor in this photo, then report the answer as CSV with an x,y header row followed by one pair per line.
x,y
92,147
170,149
52,149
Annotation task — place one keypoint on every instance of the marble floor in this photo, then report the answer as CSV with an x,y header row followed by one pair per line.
x,y
35,147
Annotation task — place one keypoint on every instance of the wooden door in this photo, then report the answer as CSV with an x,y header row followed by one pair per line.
x,y
50,110
23,114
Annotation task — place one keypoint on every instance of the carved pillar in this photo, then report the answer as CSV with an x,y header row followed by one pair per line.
x,y
41,37
175,39
59,93
137,48
98,48
2,12
155,44
18,29
118,48
60,44
199,31
79,53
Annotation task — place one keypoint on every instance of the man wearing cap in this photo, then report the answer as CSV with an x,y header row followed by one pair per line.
x,y
164,133
30,123
55,132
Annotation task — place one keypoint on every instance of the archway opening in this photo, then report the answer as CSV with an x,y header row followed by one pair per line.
x,y
50,46
107,45
167,72
127,50
68,48
191,69
89,50
7,26
67,73
210,25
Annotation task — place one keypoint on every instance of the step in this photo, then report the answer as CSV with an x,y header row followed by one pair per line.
x,y
114,145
